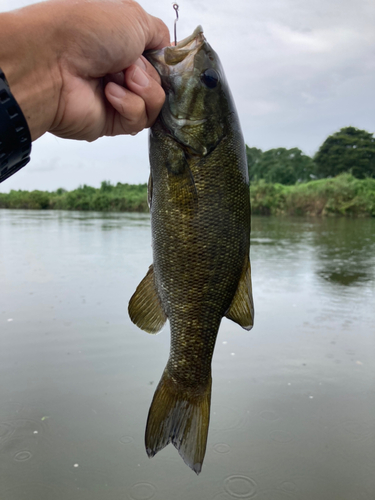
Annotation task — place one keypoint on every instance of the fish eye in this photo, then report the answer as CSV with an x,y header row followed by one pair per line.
x,y
210,78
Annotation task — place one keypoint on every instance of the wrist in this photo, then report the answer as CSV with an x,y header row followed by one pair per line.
x,y
15,140
30,63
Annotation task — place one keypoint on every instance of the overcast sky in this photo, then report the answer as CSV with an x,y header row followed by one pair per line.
x,y
299,70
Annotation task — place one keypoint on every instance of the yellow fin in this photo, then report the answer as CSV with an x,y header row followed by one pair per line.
x,y
145,308
180,186
183,191
180,416
241,310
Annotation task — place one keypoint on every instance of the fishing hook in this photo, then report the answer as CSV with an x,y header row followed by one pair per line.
x,y
176,7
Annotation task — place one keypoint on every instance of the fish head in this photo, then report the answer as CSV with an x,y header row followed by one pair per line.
x,y
198,103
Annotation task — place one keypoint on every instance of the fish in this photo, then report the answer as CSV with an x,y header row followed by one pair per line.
x,y
200,223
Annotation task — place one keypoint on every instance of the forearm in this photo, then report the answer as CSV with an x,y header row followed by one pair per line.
x,y
29,60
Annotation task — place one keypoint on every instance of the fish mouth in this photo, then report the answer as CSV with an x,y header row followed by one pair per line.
x,y
167,60
188,46
183,121
197,33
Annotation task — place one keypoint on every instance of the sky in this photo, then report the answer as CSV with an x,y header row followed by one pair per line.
x,y
298,70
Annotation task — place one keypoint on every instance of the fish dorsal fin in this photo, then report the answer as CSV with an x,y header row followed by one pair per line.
x,y
241,310
145,308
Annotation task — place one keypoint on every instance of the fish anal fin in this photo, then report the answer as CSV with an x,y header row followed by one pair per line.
x,y
241,310
145,308
181,417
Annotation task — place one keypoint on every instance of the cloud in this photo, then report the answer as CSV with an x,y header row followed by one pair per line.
x,y
298,70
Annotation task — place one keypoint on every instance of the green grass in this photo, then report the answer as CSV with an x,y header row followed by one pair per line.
x,y
343,195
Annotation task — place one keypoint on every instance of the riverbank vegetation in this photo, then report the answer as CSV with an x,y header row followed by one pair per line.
x,y
343,195
107,198
338,180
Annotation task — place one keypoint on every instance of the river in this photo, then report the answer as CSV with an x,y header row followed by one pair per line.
x,y
293,400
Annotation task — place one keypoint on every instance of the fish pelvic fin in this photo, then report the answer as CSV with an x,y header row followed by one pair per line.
x,y
145,307
182,417
241,310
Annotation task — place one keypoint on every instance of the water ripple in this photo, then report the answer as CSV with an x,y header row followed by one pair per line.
x,y
142,491
269,415
126,440
239,486
222,448
22,456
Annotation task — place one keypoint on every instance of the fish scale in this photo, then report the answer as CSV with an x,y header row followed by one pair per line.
x,y
200,223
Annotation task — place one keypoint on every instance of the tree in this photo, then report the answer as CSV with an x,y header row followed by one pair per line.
x,y
349,150
253,157
285,166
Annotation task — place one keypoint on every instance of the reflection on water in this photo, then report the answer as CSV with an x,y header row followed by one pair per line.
x,y
293,401
346,251
344,277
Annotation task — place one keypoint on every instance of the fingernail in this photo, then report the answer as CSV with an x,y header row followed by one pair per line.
x,y
140,62
139,77
116,90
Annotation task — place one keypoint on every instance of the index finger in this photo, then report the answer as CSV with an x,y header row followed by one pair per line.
x,y
158,32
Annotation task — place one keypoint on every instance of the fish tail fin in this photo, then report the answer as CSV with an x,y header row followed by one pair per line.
x,y
182,417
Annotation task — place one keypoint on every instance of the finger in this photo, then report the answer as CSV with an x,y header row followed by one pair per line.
x,y
138,81
139,104
144,64
129,113
158,34
115,77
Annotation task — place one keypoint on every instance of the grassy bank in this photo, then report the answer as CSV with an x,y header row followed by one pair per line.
x,y
343,195
107,198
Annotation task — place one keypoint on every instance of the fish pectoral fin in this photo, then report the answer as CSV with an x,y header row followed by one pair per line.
x,y
181,185
241,310
145,307
183,190
149,191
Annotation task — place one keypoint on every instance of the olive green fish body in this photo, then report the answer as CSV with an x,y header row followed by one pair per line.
x,y
200,220
200,245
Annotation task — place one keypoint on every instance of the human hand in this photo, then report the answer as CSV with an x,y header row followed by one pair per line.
x,y
82,75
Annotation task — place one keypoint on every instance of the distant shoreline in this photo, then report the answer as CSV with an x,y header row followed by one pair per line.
x,y
343,195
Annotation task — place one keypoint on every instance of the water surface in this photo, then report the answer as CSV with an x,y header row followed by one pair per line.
x,y
293,402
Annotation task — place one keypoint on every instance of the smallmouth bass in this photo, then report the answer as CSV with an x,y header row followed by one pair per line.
x,y
200,220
